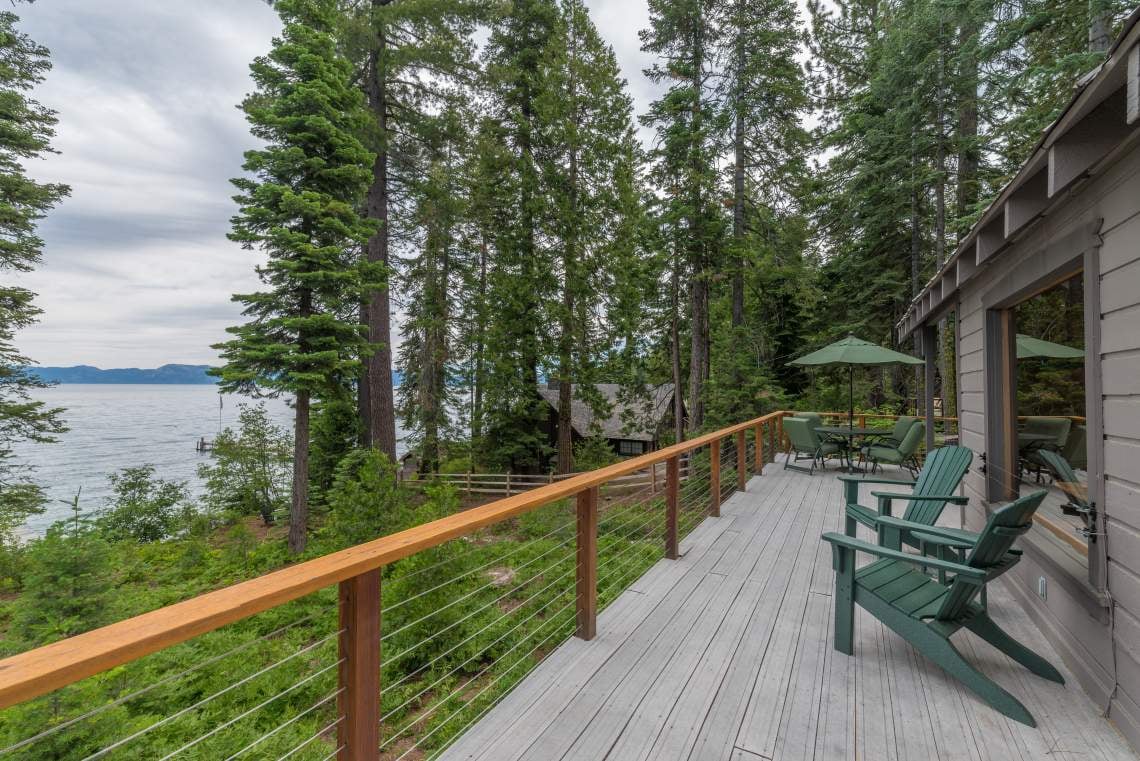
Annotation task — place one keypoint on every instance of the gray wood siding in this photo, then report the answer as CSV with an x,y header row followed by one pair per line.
x,y
1086,640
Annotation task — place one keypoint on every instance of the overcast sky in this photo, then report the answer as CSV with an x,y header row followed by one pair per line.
x,y
137,271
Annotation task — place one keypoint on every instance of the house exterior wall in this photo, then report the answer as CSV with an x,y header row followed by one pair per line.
x,y
1100,642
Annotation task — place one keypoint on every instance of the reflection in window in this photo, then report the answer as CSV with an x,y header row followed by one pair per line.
x,y
1051,435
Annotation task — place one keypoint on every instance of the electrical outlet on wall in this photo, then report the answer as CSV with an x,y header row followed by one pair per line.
x,y
1042,588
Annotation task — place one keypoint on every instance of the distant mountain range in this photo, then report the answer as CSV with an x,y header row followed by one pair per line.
x,y
167,374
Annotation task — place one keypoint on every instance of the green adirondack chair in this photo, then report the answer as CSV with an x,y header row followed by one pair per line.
x,y
1063,471
924,611
939,479
903,455
806,444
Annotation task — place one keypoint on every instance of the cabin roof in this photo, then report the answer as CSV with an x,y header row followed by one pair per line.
x,y
1099,119
634,420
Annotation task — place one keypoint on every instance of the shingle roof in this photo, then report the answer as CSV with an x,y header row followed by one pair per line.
x,y
635,420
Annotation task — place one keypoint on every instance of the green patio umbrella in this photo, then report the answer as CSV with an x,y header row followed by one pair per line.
x,y
1029,347
853,351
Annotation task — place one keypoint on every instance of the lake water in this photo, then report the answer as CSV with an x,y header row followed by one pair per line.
x,y
118,426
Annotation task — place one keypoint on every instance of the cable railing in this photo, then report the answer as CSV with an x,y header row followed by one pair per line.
x,y
388,649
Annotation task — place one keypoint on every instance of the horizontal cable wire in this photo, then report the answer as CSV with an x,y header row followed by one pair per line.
x,y
610,560
463,686
476,591
491,562
486,710
628,537
485,688
245,680
256,708
320,732
617,570
287,723
638,526
446,676
626,511
334,754
164,681
458,645
480,609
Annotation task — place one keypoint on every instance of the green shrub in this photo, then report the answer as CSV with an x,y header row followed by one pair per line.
x,y
365,500
144,508
593,452
251,470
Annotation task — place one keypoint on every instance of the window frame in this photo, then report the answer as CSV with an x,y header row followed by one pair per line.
x,y
1072,255
623,443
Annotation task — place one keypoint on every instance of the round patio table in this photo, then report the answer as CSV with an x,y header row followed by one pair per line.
x,y
848,436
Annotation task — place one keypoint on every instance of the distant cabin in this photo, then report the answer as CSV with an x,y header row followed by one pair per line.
x,y
633,427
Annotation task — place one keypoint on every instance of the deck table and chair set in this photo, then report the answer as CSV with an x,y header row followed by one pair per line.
x,y
924,581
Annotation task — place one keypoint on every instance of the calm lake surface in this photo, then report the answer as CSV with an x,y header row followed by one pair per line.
x,y
119,426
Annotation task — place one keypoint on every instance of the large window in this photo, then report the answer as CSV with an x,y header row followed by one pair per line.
x,y
1039,421
1052,431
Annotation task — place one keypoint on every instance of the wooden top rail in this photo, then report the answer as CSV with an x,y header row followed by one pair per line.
x,y
48,668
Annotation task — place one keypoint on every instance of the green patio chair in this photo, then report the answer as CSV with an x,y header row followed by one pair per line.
x,y
898,433
1057,428
905,455
1055,431
940,477
805,444
815,420
925,612
1075,451
1062,470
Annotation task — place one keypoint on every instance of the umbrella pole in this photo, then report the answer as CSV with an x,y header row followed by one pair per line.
x,y
850,397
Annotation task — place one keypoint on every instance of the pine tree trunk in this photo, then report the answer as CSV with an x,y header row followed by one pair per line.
x,y
915,263
1100,26
569,273
363,395
299,509
380,424
967,191
477,392
675,351
698,287
738,188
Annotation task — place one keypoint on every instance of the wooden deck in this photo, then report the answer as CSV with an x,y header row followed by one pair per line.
x,y
726,654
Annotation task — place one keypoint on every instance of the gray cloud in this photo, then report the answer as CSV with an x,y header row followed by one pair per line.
x,y
137,270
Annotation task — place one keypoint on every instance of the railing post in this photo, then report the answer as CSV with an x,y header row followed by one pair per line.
x,y
714,479
741,460
508,483
779,433
758,455
672,488
653,476
587,584
358,733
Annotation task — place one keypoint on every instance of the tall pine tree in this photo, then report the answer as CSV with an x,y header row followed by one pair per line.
x,y
299,204
410,53
28,127
520,281
588,117
682,35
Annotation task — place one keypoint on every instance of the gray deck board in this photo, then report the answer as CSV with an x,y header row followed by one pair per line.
x,y
726,655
